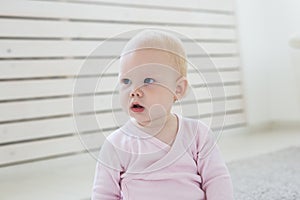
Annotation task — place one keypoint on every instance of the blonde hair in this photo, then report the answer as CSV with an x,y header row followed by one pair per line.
x,y
159,40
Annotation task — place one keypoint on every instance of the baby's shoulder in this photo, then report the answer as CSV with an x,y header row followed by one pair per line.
x,y
118,137
194,126
122,139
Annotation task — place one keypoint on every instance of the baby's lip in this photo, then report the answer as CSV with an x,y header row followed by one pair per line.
x,y
136,105
137,108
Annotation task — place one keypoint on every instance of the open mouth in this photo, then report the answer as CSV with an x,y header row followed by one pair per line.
x,y
137,107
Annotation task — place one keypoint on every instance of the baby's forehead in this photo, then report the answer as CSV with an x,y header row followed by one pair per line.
x,y
147,60
154,70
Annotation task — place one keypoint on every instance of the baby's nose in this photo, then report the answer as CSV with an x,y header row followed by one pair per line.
x,y
137,93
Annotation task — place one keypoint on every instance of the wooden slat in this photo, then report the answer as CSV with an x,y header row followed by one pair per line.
x,y
215,77
88,30
25,89
39,149
228,90
55,107
205,48
121,14
11,69
46,148
208,107
214,62
213,5
36,129
46,49
229,120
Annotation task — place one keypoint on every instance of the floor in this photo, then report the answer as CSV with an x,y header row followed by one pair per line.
x,y
72,178
237,146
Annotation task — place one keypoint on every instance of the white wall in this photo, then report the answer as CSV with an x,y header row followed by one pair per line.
x,y
271,89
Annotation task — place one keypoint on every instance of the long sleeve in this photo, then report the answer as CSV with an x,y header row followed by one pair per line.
x,y
106,183
107,177
216,181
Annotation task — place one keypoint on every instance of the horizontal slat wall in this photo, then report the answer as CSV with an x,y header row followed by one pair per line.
x,y
43,45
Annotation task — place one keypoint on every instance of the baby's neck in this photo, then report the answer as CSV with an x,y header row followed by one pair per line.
x,y
164,129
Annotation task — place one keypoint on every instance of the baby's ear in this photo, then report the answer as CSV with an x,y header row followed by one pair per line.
x,y
181,87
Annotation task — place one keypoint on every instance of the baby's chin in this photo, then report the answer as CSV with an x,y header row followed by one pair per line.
x,y
142,120
153,121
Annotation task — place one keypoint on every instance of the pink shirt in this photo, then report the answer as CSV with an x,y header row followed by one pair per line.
x,y
134,166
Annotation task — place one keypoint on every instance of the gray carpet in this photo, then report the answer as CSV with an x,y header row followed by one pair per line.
x,y
273,176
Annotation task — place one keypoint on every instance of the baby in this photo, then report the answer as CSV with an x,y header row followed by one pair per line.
x,y
158,154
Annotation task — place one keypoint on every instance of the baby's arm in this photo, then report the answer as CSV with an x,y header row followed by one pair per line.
x,y
107,177
106,183
216,181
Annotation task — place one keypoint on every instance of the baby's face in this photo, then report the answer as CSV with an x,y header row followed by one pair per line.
x,y
148,82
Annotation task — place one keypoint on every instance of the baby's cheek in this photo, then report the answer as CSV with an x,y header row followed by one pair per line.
x,y
124,100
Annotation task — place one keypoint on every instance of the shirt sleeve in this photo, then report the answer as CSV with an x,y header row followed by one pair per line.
x,y
216,180
107,176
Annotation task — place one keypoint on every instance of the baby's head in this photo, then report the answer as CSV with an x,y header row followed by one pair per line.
x,y
161,41
152,75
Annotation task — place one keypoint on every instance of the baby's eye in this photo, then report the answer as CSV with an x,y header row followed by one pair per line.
x,y
149,80
126,81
